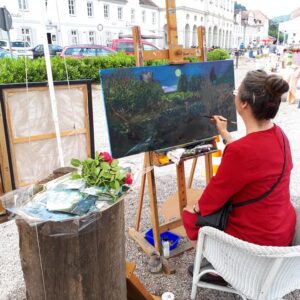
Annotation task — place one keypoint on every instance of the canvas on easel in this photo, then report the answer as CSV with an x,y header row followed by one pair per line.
x,y
28,139
152,108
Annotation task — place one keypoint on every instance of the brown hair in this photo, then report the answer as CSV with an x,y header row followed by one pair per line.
x,y
263,93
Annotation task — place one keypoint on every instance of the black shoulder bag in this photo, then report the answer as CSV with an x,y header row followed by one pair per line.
x,y
219,218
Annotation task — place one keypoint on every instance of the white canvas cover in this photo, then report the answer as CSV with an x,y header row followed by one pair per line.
x,y
31,130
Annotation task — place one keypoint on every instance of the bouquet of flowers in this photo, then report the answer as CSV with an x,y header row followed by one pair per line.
x,y
104,174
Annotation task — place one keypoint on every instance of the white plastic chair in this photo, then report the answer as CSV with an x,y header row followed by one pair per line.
x,y
252,271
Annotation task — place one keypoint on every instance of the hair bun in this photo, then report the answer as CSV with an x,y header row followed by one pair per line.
x,y
276,85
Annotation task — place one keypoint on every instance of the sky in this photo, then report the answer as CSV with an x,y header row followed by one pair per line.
x,y
272,8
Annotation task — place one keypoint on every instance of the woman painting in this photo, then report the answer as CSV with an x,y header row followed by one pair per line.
x,y
250,166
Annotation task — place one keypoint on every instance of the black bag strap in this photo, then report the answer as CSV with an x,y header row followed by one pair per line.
x,y
273,186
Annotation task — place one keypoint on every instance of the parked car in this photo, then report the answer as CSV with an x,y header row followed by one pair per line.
x,y
126,45
38,51
4,53
20,48
79,51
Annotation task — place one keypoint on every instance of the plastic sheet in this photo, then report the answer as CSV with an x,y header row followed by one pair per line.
x,y
32,205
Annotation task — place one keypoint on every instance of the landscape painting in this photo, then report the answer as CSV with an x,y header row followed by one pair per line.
x,y
157,107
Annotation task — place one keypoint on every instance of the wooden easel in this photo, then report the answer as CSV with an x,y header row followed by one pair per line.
x,y
135,289
176,54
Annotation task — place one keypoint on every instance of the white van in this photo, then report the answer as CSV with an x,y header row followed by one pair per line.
x,y
19,48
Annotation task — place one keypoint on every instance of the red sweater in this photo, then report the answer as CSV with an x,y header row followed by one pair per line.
x,y
249,167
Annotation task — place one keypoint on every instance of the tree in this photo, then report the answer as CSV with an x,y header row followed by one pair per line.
x,y
273,30
182,85
213,76
240,7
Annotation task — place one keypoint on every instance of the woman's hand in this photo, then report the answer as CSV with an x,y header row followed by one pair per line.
x,y
221,124
192,208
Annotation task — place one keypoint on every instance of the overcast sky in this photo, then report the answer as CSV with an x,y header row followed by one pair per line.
x,y
272,8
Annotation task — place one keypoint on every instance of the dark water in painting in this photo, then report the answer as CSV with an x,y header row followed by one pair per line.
x,y
151,108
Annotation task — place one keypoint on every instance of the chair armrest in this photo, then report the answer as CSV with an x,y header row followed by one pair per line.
x,y
296,240
264,251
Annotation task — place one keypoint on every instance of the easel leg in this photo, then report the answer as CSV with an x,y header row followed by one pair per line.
x,y
153,201
208,168
141,198
181,186
192,173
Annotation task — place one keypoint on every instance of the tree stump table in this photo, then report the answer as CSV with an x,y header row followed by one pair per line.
x,y
82,259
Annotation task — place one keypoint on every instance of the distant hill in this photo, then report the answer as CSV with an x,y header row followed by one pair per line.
x,y
281,19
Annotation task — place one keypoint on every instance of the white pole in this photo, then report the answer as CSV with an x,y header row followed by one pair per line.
x,y
50,81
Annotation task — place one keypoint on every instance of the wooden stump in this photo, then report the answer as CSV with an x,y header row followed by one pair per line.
x,y
82,260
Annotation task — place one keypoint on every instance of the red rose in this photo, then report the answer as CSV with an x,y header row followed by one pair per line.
x,y
128,179
106,156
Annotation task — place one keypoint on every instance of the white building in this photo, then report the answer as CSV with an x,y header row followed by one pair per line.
x,y
291,28
99,21
215,15
79,21
238,30
250,27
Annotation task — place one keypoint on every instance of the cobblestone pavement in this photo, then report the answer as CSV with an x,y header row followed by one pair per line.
x,y
11,281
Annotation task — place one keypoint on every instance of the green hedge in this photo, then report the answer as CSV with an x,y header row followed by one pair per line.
x,y
217,54
13,70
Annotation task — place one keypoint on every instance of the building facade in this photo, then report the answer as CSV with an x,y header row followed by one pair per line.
x,y
250,27
99,21
79,21
291,28
215,15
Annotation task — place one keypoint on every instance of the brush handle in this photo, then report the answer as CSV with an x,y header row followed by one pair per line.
x,y
223,120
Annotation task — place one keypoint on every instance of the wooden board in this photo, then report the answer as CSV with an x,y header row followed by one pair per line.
x,y
170,209
135,289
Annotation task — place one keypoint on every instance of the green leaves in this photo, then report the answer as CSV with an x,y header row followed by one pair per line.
x,y
217,54
101,173
75,176
13,70
75,162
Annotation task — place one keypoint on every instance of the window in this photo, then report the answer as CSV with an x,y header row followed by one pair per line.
x,y
73,51
144,16
106,11
132,15
20,44
149,47
46,3
92,37
74,37
26,36
125,46
88,51
71,7
195,18
108,37
90,12
102,51
23,5
153,18
120,13
3,44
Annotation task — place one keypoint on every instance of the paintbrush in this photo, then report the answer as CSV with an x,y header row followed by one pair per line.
x,y
211,117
